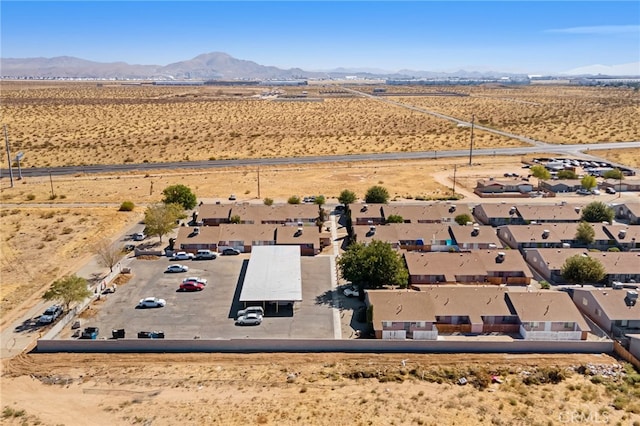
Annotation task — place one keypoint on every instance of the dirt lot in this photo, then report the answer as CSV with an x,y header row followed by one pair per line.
x,y
292,389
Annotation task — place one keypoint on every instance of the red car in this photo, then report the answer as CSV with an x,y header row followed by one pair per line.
x,y
191,286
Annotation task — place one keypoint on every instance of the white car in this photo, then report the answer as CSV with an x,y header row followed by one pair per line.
x,y
351,292
151,302
250,310
249,319
176,268
50,314
198,280
138,236
182,255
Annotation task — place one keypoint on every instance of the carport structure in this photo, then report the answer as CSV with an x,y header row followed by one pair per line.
x,y
273,276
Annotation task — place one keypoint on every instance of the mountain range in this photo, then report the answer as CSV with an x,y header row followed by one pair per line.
x,y
214,65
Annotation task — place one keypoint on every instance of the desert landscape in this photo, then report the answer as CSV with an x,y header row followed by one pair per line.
x,y
49,227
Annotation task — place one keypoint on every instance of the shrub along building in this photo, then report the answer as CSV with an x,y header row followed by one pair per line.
x,y
438,311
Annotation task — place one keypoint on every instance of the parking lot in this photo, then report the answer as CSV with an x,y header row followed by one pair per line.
x,y
210,313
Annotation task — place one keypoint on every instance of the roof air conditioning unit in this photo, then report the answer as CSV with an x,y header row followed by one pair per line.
x,y
622,233
566,245
196,231
492,246
512,210
300,223
500,257
632,297
475,231
545,234
372,229
577,209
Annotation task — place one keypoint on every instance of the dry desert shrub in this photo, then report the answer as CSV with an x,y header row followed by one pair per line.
x,y
559,114
75,124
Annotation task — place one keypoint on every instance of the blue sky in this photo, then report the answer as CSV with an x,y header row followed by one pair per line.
x,y
511,36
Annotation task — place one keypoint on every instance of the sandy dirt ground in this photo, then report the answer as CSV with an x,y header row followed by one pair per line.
x,y
292,389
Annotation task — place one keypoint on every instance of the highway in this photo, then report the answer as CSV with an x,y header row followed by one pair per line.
x,y
540,147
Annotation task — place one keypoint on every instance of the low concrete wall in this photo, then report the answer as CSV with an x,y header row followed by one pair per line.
x,y
304,345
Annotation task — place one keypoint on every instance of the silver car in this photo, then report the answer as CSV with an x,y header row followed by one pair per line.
x,y
250,310
249,319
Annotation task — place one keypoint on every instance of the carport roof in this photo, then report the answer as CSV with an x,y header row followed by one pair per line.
x,y
274,274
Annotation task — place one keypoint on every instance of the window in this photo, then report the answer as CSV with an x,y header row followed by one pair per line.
x,y
387,324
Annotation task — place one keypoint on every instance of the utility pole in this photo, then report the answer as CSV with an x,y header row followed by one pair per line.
x,y
53,195
258,182
473,118
6,140
455,167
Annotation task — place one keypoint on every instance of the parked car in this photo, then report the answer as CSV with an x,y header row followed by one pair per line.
x,y
50,314
138,236
182,255
230,252
595,191
583,191
90,333
250,310
197,280
232,197
176,268
351,291
129,247
191,286
150,334
610,190
205,255
249,319
151,302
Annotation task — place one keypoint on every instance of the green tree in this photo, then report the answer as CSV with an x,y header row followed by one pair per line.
x,y
539,171
613,174
320,201
567,174
581,269
268,201
377,194
597,211
585,233
294,199
68,290
347,197
589,182
373,266
395,218
160,219
235,219
463,219
179,194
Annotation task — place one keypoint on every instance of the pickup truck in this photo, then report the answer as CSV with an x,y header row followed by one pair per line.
x,y
90,333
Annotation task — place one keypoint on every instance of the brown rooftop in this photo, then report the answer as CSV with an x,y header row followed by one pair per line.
x,y
543,306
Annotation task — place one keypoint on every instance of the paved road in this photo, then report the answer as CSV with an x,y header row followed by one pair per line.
x,y
539,147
